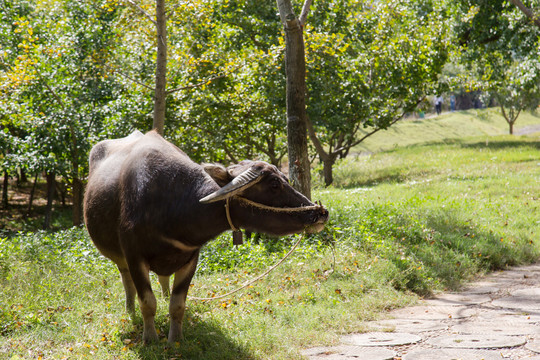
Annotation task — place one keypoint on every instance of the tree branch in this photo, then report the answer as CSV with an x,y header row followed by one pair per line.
x,y
285,11
134,80
378,129
305,12
528,12
315,140
54,94
142,11
202,83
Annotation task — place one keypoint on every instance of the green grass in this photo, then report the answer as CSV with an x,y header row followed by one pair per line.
x,y
452,125
404,224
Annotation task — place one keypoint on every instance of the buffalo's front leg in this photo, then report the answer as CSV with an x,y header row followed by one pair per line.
x,y
177,306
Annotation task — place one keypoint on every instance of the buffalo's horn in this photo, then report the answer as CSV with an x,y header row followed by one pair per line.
x,y
239,183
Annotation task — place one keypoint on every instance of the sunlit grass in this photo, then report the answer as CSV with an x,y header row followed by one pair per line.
x,y
473,123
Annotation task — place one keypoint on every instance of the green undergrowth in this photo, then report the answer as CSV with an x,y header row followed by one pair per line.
x,y
403,224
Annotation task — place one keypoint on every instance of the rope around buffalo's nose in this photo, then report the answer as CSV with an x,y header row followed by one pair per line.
x,y
252,280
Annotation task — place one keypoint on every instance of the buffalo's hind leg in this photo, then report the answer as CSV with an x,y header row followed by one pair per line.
x,y
177,306
165,285
140,273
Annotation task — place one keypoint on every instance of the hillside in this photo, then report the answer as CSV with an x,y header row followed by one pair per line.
x,y
450,125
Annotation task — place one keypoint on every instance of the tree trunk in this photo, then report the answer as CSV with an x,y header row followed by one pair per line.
x,y
328,165
509,117
295,69
5,201
31,200
51,189
77,201
161,67
21,177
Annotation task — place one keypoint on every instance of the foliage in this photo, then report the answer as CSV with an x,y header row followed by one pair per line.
x,y
59,85
239,114
58,95
370,63
499,44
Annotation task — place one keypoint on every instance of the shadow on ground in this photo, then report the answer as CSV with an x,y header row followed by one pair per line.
x,y
501,145
203,340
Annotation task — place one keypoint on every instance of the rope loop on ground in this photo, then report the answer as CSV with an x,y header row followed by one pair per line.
x,y
254,279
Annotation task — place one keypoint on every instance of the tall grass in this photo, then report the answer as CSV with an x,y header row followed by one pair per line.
x,y
404,224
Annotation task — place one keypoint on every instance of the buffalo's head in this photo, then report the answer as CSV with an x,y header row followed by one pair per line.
x,y
264,200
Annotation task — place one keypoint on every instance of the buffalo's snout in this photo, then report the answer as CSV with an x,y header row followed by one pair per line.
x,y
319,219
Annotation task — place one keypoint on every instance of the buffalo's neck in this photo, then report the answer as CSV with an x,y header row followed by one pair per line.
x,y
195,223
211,222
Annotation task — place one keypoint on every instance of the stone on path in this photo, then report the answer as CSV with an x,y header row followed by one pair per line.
x,y
458,299
381,339
481,287
477,341
407,325
453,354
435,312
501,326
344,352
523,299
509,315
533,346
497,317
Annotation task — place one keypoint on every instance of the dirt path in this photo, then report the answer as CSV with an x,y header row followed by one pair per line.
x,y
497,317
531,129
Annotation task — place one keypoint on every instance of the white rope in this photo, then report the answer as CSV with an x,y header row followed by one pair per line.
x,y
228,213
252,280
278,209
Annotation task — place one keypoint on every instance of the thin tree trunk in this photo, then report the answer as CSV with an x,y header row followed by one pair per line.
x,y
23,178
328,166
51,189
510,118
328,159
161,67
31,200
5,201
295,68
77,201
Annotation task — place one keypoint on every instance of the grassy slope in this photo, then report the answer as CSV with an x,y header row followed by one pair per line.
x,y
404,223
456,125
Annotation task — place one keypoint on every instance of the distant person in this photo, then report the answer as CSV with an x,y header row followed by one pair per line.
x,y
438,104
452,103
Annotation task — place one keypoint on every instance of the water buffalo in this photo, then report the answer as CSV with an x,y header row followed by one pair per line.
x,y
149,207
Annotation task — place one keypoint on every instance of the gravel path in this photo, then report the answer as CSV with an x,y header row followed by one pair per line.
x,y
497,317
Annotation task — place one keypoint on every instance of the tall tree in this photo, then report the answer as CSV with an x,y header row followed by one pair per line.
x,y
500,46
295,69
160,92
369,64
62,92
226,65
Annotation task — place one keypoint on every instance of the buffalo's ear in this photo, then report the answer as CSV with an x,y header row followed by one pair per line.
x,y
218,173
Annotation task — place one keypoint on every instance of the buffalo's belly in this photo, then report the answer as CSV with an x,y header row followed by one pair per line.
x,y
171,261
